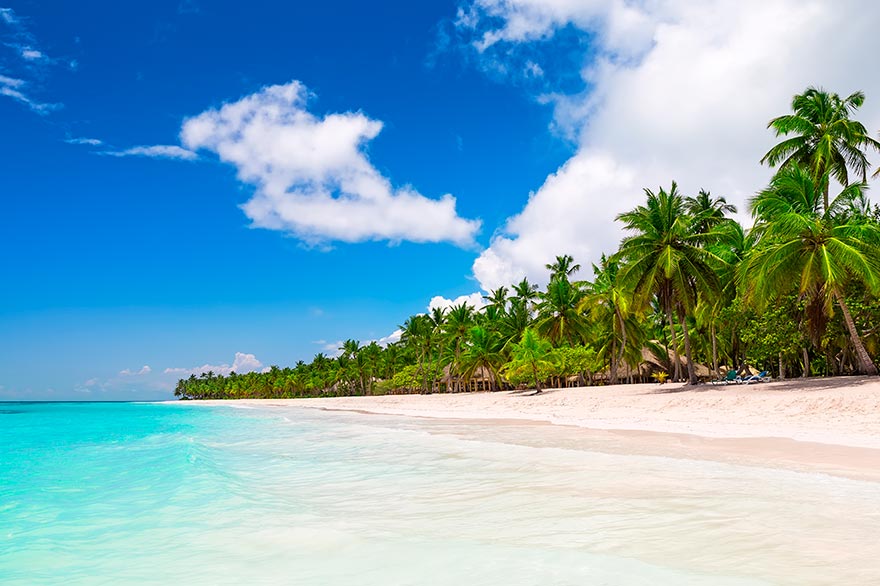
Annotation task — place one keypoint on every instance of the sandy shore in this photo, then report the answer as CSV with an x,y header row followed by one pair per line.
x,y
829,425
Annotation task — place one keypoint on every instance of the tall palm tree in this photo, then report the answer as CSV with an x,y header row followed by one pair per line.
x,y
497,298
418,332
707,211
825,139
608,303
559,318
563,267
813,248
531,353
665,257
483,350
526,292
458,323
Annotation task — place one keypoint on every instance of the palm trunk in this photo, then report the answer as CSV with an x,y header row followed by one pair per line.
x,y
781,367
866,366
714,349
677,367
623,336
806,363
613,360
537,382
692,372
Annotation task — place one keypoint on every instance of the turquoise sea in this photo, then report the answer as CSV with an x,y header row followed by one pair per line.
x,y
125,493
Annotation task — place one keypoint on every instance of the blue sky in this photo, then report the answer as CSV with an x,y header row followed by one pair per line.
x,y
166,207
113,263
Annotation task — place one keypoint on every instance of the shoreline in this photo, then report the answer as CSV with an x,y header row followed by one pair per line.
x,y
827,425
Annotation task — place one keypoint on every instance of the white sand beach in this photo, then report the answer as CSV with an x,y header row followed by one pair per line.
x,y
827,425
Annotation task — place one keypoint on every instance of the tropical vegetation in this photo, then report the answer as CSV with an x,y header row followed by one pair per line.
x,y
689,294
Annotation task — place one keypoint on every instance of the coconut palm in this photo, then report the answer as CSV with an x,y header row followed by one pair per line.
x,y
559,318
458,323
497,298
482,350
707,211
665,257
525,292
825,139
607,303
531,353
564,267
418,332
812,248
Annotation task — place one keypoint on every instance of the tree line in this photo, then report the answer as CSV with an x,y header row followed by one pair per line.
x,y
689,293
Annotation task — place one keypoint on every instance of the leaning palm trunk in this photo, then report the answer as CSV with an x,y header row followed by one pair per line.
x,y
692,373
865,366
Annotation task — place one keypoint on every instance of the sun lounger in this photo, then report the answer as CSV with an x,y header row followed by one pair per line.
x,y
761,377
729,379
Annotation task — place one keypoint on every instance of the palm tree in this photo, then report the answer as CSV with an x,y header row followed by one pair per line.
x,y
825,140
498,298
483,350
531,353
608,303
458,323
559,317
666,258
525,292
418,332
707,211
813,248
564,267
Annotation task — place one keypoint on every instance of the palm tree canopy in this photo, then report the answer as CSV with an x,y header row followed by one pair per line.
x,y
564,267
824,138
804,245
707,211
664,255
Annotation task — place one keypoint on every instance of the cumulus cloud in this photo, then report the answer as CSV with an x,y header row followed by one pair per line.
x,y
158,151
312,176
242,364
475,300
676,91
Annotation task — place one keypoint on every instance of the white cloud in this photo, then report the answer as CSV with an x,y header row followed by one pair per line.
x,y
26,60
159,151
14,88
31,54
312,176
679,91
145,369
8,16
87,141
242,364
391,338
475,300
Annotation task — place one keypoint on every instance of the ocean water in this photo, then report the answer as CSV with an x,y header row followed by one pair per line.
x,y
188,494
